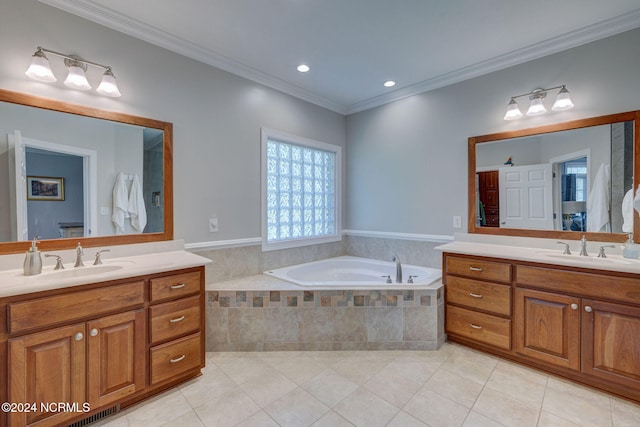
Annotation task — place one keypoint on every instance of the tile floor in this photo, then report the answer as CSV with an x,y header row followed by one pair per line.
x,y
454,386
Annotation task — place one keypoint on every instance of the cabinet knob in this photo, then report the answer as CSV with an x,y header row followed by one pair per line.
x,y
574,306
78,336
93,332
588,309
178,359
176,320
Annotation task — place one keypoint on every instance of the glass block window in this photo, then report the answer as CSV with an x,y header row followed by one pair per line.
x,y
300,191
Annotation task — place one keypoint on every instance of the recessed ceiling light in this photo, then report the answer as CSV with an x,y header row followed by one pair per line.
x,y
389,83
303,68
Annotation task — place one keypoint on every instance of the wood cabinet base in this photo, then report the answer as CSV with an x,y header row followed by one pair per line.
x,y
105,345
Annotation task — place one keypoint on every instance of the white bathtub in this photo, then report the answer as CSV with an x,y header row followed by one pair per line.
x,y
348,272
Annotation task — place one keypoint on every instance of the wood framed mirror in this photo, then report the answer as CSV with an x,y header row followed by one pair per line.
x,y
557,181
38,134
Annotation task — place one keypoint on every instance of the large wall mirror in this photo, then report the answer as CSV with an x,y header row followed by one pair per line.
x,y
72,174
557,181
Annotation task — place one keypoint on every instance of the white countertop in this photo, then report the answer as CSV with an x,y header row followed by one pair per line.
x,y
544,254
14,282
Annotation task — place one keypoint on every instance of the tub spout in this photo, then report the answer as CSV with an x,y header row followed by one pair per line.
x,y
396,259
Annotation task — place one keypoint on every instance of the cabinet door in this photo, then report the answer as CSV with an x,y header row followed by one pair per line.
x,y
547,327
116,349
610,344
46,368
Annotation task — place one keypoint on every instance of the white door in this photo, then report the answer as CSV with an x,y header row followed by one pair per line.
x,y
526,197
18,189
18,144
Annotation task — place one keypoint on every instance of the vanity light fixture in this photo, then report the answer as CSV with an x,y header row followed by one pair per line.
x,y
536,107
40,70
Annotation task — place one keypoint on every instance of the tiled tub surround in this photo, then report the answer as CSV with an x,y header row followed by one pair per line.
x,y
249,260
263,313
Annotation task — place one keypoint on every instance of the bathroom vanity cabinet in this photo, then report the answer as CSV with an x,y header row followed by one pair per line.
x,y
96,346
579,323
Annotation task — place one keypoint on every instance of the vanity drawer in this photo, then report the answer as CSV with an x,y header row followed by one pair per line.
x,y
173,319
479,269
479,295
41,312
480,327
175,286
175,358
608,287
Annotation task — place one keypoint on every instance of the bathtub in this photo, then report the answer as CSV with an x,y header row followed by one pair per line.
x,y
347,272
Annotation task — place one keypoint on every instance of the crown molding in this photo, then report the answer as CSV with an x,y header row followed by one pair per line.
x,y
116,21
132,27
600,30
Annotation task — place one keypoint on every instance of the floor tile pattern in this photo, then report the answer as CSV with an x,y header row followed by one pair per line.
x,y
454,386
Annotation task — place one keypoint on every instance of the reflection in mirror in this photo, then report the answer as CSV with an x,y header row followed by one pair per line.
x,y
555,180
81,173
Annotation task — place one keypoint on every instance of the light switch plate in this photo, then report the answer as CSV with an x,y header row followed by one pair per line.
x,y
213,225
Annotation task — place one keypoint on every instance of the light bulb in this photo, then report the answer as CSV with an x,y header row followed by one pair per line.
x,y
563,101
513,111
76,79
40,69
537,107
108,85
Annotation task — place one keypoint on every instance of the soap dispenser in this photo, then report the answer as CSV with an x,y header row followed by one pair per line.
x,y
630,249
33,260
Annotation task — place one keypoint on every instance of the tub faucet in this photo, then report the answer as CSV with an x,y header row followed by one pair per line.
x,y
583,246
79,253
396,259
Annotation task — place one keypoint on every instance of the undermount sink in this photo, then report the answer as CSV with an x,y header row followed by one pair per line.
x,y
83,271
592,260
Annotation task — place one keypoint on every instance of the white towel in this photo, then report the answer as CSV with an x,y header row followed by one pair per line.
x,y
120,203
636,202
599,200
136,206
627,212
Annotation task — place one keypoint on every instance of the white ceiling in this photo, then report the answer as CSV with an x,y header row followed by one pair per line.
x,y
353,46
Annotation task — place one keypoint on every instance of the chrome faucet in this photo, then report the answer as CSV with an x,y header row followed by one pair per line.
x,y
79,253
583,246
396,259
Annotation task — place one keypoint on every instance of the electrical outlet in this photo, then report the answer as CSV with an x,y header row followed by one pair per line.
x,y
457,221
213,225
104,210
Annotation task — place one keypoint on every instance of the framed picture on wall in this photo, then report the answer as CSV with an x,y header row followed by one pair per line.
x,y
45,188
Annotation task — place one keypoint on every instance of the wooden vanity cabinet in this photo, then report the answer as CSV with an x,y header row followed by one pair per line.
x,y
478,294
96,346
547,327
578,323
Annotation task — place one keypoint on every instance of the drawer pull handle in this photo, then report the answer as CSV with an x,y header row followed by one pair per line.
x,y
471,294
176,320
178,286
475,326
475,268
178,359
